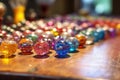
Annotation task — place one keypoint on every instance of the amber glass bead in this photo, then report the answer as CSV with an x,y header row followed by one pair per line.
x,y
8,48
118,29
82,40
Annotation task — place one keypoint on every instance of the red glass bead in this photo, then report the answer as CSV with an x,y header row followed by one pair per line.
x,y
25,45
41,48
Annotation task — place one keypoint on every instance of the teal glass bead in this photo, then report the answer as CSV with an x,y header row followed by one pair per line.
x,y
91,32
96,36
74,43
101,33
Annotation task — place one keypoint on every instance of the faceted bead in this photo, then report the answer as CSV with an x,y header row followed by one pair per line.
x,y
96,36
82,40
49,37
90,40
65,35
62,48
54,32
32,37
8,48
93,33
25,45
17,36
38,32
112,32
73,42
101,34
41,48
118,29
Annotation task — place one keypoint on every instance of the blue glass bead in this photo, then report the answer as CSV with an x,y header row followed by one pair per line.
x,y
62,48
73,42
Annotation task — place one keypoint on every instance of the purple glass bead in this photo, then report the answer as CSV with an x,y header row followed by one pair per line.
x,y
112,32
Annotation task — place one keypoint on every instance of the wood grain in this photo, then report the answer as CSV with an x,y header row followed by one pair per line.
x,y
98,61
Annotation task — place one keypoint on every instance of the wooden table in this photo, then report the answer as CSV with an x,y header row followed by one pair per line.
x,y
98,61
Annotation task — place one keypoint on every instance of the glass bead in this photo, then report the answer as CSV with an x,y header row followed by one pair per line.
x,y
65,35
118,29
90,40
17,36
25,45
112,32
101,34
54,32
73,42
95,34
41,48
49,37
62,48
8,48
32,37
82,40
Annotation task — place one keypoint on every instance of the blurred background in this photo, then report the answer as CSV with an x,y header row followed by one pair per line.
x,y
63,7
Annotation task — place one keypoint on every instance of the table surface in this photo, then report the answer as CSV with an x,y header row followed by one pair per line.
x,y
98,61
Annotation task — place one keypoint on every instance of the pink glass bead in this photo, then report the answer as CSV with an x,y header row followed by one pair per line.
x,y
17,36
50,23
41,48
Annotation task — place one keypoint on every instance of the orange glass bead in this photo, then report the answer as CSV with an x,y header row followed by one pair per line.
x,y
23,40
118,29
8,48
82,40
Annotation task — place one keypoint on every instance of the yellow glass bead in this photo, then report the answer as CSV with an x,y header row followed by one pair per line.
x,y
54,32
8,48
